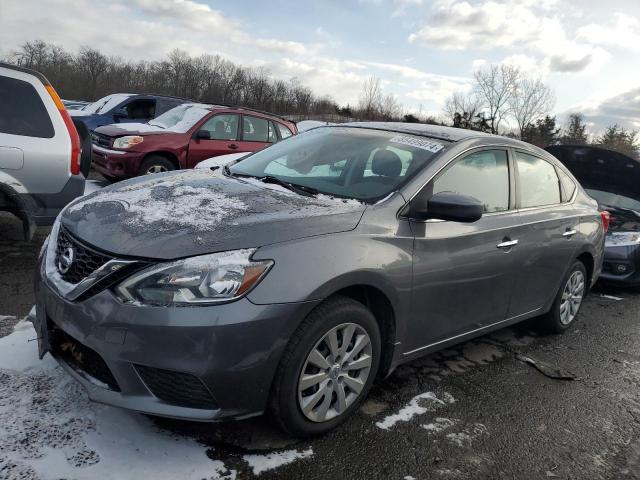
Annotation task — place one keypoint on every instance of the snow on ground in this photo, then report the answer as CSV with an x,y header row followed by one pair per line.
x,y
419,405
50,430
262,463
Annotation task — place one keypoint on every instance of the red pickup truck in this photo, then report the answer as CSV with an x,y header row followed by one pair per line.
x,y
182,137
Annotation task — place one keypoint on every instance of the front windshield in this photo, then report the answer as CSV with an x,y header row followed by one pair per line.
x,y
346,162
106,103
181,118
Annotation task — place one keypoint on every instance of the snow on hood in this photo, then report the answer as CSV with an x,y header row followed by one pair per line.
x,y
221,160
309,124
201,211
136,127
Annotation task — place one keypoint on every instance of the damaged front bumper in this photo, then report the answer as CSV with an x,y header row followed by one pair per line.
x,y
194,363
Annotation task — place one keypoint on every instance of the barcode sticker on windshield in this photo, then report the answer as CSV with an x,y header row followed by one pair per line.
x,y
424,144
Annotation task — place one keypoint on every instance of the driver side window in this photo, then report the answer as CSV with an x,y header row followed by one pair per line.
x,y
483,175
222,127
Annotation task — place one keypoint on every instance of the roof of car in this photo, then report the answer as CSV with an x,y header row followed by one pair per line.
x,y
436,131
35,73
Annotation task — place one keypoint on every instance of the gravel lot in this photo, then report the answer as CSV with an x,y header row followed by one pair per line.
x,y
473,411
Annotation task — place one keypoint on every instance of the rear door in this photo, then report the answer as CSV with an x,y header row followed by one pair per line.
x,y
222,130
257,133
547,224
463,272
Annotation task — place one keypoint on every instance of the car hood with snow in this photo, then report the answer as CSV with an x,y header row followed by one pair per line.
x,y
121,129
180,214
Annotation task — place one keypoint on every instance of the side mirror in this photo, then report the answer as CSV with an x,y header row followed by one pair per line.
x,y
448,206
120,113
203,135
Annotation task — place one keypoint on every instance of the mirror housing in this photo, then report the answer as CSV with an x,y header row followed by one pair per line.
x,y
203,135
120,113
449,206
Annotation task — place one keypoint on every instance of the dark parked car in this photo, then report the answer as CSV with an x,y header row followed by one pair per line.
x,y
613,179
288,281
183,137
124,108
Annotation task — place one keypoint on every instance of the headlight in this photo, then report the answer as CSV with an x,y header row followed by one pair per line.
x,y
199,280
621,239
128,141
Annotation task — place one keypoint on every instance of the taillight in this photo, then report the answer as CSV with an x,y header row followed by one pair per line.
x,y
606,218
74,166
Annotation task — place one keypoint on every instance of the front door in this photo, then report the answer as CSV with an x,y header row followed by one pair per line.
x,y
463,272
223,139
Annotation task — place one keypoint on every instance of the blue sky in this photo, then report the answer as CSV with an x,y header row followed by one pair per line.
x,y
588,51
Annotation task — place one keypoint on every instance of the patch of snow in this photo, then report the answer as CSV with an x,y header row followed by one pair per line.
x,y
305,125
221,160
611,297
134,127
50,430
468,435
269,461
157,201
439,425
102,105
419,405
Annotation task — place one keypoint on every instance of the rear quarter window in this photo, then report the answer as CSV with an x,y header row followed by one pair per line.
x,y
567,186
22,111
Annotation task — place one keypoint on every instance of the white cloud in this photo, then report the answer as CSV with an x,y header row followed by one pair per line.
x,y
622,109
521,25
624,32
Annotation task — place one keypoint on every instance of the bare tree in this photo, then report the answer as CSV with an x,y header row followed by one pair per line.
x,y
390,108
495,86
370,98
468,105
530,101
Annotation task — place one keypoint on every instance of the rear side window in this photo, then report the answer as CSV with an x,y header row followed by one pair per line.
x,y
284,131
22,111
255,129
539,184
483,175
567,186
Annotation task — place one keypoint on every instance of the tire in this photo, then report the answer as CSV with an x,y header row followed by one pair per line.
x,y
341,315
564,310
157,163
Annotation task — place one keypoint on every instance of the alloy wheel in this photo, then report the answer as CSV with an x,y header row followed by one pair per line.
x,y
572,296
335,372
156,169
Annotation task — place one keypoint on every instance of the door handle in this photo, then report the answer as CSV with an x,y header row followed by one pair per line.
x,y
507,244
233,146
569,233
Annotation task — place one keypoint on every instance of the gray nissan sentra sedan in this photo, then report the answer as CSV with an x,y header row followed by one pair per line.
x,y
286,282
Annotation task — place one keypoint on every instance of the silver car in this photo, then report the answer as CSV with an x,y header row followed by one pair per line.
x,y
40,149
289,280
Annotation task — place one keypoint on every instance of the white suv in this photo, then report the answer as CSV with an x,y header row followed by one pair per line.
x,y
40,149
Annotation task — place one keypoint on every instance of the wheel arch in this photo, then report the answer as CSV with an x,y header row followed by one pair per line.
x,y
382,309
164,154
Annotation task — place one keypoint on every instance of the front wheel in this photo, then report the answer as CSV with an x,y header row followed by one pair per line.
x,y
155,164
327,368
569,299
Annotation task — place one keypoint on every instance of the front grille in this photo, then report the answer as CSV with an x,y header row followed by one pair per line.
x,y
81,358
85,259
180,389
100,140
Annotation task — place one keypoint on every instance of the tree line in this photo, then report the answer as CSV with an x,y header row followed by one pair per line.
x,y
89,75
504,94
503,99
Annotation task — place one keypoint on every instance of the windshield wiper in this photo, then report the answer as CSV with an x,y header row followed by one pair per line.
x,y
294,187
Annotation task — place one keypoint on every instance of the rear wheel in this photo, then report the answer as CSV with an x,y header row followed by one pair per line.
x,y
327,368
568,300
155,164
